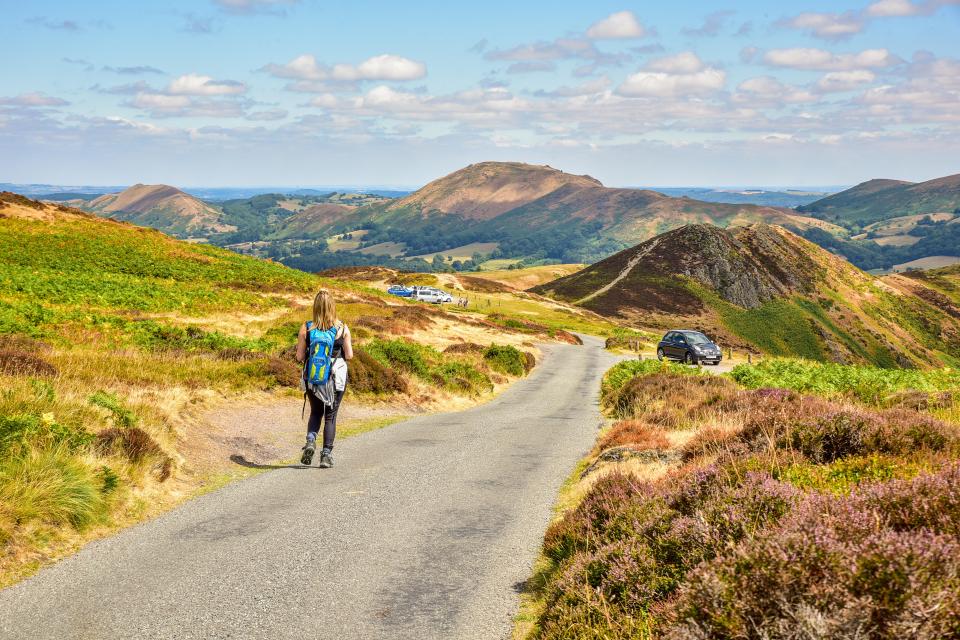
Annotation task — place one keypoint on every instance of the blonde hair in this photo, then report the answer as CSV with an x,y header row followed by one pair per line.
x,y
324,310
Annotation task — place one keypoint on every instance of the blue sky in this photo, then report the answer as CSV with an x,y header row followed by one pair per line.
x,y
315,92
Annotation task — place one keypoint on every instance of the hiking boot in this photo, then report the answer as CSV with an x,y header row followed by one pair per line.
x,y
326,460
308,450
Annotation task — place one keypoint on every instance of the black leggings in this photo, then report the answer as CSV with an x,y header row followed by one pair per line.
x,y
319,411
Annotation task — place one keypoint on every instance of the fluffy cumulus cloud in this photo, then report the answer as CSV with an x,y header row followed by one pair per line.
x,y
377,68
838,26
194,84
192,94
683,74
812,59
617,26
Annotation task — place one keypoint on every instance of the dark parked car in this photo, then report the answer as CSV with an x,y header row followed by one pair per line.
x,y
691,347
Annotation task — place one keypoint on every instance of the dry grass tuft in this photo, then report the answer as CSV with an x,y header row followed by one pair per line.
x,y
635,433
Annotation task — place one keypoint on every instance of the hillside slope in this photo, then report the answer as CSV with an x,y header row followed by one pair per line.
x,y
878,200
312,220
763,287
161,207
115,341
540,213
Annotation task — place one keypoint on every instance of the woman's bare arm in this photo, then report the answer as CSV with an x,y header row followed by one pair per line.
x,y
302,343
347,344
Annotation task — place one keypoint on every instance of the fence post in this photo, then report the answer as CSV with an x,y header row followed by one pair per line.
x,y
749,358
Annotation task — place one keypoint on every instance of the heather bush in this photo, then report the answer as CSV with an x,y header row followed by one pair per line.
x,y
821,430
883,562
602,594
368,375
137,446
14,362
628,546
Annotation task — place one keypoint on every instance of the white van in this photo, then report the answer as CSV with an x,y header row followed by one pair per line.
x,y
429,294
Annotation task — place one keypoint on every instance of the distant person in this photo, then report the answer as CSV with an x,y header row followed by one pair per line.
x,y
323,346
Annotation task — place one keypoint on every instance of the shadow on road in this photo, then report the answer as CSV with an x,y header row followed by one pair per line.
x,y
243,462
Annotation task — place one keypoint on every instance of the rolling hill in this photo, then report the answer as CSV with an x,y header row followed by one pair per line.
x,y
878,200
312,220
763,287
161,207
488,189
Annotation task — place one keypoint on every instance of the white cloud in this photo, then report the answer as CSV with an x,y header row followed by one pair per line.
x,y
35,99
901,8
685,62
194,84
658,84
829,26
822,60
892,8
838,81
616,26
381,67
768,91
837,26
682,74
159,101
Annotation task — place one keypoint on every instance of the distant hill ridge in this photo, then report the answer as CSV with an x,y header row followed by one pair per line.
x,y
882,199
487,189
162,207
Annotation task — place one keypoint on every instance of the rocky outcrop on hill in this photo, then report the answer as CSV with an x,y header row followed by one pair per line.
x,y
746,266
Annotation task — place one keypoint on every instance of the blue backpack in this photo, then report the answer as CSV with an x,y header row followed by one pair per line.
x,y
316,370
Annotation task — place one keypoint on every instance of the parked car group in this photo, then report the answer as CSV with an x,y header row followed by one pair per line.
x,y
423,294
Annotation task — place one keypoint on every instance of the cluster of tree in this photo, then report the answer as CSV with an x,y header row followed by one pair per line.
x,y
315,257
944,240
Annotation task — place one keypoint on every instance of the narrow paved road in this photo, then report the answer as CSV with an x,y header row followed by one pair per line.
x,y
422,530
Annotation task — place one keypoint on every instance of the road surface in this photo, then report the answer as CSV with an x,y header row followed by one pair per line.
x,y
424,529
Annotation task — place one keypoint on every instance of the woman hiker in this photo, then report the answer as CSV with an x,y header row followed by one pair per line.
x,y
323,346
